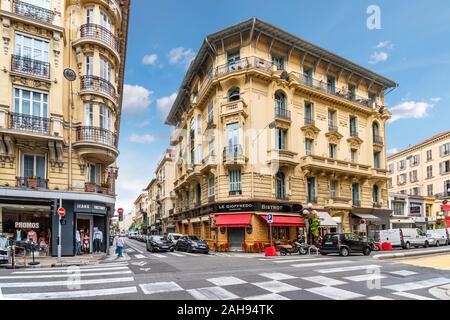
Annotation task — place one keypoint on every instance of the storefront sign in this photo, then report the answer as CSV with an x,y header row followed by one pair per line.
x,y
90,207
257,206
236,207
415,209
27,225
419,219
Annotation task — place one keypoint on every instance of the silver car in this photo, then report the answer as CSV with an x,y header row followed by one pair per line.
x,y
436,239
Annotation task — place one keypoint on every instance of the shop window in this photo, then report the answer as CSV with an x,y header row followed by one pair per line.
x,y
280,233
197,229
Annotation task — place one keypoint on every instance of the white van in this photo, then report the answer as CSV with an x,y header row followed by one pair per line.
x,y
405,237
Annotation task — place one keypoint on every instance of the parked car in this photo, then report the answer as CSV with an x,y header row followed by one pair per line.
x,y
191,244
344,244
4,250
444,232
173,237
435,238
405,237
159,243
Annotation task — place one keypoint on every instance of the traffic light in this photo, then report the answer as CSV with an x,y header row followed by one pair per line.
x,y
120,216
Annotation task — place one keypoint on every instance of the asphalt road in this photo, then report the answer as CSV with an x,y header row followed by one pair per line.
x,y
226,276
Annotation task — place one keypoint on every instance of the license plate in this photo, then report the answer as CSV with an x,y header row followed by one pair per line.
x,y
328,242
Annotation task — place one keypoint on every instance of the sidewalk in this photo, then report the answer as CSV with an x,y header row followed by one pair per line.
x,y
47,262
410,253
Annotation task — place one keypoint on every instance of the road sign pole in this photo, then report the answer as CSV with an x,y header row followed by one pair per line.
x,y
271,235
59,239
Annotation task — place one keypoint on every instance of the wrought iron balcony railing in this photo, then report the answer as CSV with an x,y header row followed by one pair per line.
x,y
94,83
32,182
235,151
33,12
97,32
211,199
354,133
377,139
26,122
356,203
97,135
332,128
282,113
312,199
309,121
30,67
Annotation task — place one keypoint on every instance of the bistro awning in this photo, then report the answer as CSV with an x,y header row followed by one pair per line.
x,y
286,221
447,221
445,207
233,220
366,216
326,220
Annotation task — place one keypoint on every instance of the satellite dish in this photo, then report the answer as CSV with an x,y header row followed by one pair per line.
x,y
69,74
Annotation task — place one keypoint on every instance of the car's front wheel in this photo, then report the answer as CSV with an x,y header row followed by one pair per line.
x,y
189,249
437,244
367,251
323,253
344,252
426,244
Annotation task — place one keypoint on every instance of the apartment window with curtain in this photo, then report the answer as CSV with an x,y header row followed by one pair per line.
x,y
399,208
444,150
34,166
401,165
414,161
211,183
89,114
333,189
30,52
105,20
375,194
279,62
233,60
105,70
94,172
429,155
354,155
356,194
332,120
199,154
280,186
308,74
235,182
377,160
280,138
415,191
30,102
90,15
401,179
353,126
444,167
309,146
331,84
429,172
332,150
309,113
311,186
390,168
89,65
430,190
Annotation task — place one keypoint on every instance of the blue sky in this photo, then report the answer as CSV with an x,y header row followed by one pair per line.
x,y
412,48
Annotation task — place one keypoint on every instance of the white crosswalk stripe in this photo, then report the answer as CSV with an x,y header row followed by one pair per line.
x,y
314,264
52,276
158,255
300,260
348,269
418,284
412,296
176,254
335,293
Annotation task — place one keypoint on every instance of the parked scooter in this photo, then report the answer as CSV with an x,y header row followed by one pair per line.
x,y
289,249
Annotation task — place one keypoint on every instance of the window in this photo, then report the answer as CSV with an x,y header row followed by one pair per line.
x,y
372,97
415,191
280,103
105,21
414,160
399,208
352,91
210,112
280,138
375,194
401,179
279,62
390,183
332,120
447,188
211,182
105,116
34,166
429,172
401,165
94,171
199,124
376,133
232,131
199,154
32,48
377,160
31,103
280,186
234,94
331,84
353,155
429,155
198,194
235,182
233,60
211,146
332,150
105,70
90,15
187,199
445,149
333,189
308,74
445,167
430,190
353,126
309,113
391,168
309,146
89,65
355,194
311,183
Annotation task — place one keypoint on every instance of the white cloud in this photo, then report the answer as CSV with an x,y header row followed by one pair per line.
x,y
165,103
378,56
384,44
143,124
435,99
145,138
392,151
150,59
181,56
136,98
410,109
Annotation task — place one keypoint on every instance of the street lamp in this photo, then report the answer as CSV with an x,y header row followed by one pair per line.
x,y
307,211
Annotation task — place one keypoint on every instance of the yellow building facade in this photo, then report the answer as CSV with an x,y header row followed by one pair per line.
x,y
59,130
265,123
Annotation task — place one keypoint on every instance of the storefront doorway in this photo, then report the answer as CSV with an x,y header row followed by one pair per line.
x,y
84,225
236,237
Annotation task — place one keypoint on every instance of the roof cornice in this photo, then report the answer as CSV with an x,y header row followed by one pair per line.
x,y
423,144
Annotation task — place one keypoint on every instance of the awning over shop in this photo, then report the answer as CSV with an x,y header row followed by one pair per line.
x,y
233,220
326,220
195,220
186,221
286,221
402,220
445,207
366,216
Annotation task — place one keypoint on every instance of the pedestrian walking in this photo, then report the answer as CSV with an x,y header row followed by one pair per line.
x,y
78,240
119,244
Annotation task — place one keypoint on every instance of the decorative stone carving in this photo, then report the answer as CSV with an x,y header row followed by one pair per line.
x,y
79,57
56,47
6,34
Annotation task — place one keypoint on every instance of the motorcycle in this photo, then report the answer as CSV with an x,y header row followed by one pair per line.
x,y
300,248
374,246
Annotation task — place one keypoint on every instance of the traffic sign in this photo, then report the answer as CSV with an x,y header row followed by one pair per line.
x,y
269,218
362,221
61,212
120,210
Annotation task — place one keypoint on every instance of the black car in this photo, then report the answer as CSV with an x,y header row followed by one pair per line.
x,y
344,244
192,244
159,243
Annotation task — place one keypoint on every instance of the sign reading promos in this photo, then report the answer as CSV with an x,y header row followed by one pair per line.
x,y
27,225
90,207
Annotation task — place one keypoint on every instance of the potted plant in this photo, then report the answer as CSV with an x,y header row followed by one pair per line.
x,y
90,187
104,187
32,182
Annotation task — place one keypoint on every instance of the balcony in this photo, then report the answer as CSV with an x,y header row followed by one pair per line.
x,y
211,199
96,188
312,199
234,107
283,157
210,122
29,123
97,85
332,128
318,164
233,155
378,140
33,12
282,114
209,162
377,204
101,34
353,134
331,89
309,122
336,202
356,203
30,67
97,144
31,183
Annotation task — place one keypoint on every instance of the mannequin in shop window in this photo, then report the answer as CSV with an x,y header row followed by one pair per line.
x,y
19,235
86,239
32,236
98,240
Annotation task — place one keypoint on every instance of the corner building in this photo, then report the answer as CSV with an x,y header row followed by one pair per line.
x,y
59,138
266,122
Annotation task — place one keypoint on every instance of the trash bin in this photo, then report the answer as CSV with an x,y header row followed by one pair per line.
x,y
271,252
387,246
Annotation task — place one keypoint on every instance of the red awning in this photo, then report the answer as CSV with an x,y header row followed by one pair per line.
x,y
233,220
286,221
447,221
445,207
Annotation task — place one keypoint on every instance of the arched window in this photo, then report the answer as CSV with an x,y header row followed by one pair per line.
x,y
280,186
280,101
375,194
375,131
198,194
234,94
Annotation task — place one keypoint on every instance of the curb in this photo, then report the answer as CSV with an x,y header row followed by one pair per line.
x,y
408,254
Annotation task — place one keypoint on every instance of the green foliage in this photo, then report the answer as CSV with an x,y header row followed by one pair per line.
x,y
440,224
314,226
